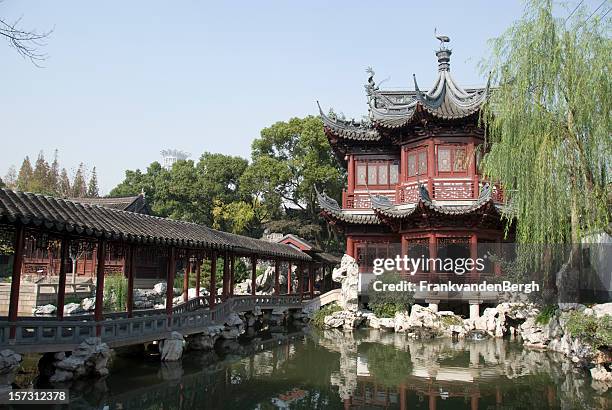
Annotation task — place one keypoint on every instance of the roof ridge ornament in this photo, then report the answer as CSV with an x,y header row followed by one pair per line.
x,y
443,53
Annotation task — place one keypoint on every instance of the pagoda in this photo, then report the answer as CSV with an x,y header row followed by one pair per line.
x,y
413,182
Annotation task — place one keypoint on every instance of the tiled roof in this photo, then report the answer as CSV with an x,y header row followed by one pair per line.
x,y
63,215
137,203
330,207
383,206
397,108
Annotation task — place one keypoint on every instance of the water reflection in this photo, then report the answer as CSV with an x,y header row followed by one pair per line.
x,y
368,369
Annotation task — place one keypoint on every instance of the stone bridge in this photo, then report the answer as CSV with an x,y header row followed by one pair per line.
x,y
40,334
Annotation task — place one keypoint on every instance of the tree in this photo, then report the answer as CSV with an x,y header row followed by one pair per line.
x,y
2,184
79,188
10,179
40,176
54,174
92,188
289,159
25,175
63,187
548,124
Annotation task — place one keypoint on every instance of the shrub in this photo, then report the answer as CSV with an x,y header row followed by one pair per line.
x,y
546,314
115,293
451,320
597,332
387,303
318,319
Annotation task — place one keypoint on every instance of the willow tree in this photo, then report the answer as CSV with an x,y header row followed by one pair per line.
x,y
548,124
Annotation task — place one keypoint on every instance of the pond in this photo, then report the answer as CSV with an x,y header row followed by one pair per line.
x,y
367,369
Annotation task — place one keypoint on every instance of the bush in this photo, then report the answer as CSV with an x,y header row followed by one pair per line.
x,y
318,319
386,303
596,332
546,314
115,293
451,320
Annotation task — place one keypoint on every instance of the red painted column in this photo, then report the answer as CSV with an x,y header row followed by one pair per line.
x,y
130,278
226,258
170,281
213,280
311,279
289,279
186,277
16,277
403,166
431,166
472,172
99,309
350,246
253,275
277,277
300,273
474,255
198,273
232,271
433,254
61,287
351,174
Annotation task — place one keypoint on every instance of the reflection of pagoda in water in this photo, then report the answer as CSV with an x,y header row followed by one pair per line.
x,y
441,374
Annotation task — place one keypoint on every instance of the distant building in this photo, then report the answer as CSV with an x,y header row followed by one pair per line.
x,y
170,156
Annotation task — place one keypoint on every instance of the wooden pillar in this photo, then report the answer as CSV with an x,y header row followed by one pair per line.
x,y
170,281
16,277
186,277
289,279
402,398
253,275
350,246
277,277
232,272
432,400
431,166
474,255
433,254
61,286
351,174
213,280
300,278
130,278
474,402
198,274
311,280
99,309
226,279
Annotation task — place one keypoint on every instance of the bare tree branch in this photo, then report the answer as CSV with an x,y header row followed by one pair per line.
x,y
26,42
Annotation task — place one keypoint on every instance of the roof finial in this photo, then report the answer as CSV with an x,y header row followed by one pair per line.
x,y
443,39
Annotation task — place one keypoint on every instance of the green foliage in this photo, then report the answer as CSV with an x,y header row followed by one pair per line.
x,y
318,319
546,314
385,303
2,184
451,320
597,332
388,365
115,293
49,180
276,191
548,123
92,187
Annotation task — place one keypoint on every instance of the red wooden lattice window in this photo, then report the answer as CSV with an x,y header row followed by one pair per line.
x,y
417,163
452,159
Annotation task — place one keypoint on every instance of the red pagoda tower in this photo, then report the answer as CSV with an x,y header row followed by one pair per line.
x,y
413,182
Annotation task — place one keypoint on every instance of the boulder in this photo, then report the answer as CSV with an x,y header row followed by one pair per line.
x,y
602,309
9,364
402,322
171,349
348,275
88,304
233,320
160,288
600,373
90,358
44,310
73,309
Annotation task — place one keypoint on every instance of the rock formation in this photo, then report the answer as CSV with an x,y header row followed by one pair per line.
x,y
348,275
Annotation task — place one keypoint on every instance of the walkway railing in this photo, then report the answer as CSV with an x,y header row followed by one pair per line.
x,y
40,334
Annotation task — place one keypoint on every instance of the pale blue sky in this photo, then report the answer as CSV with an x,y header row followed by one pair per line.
x,y
125,79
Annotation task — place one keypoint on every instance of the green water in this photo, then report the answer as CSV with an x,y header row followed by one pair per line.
x,y
333,370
